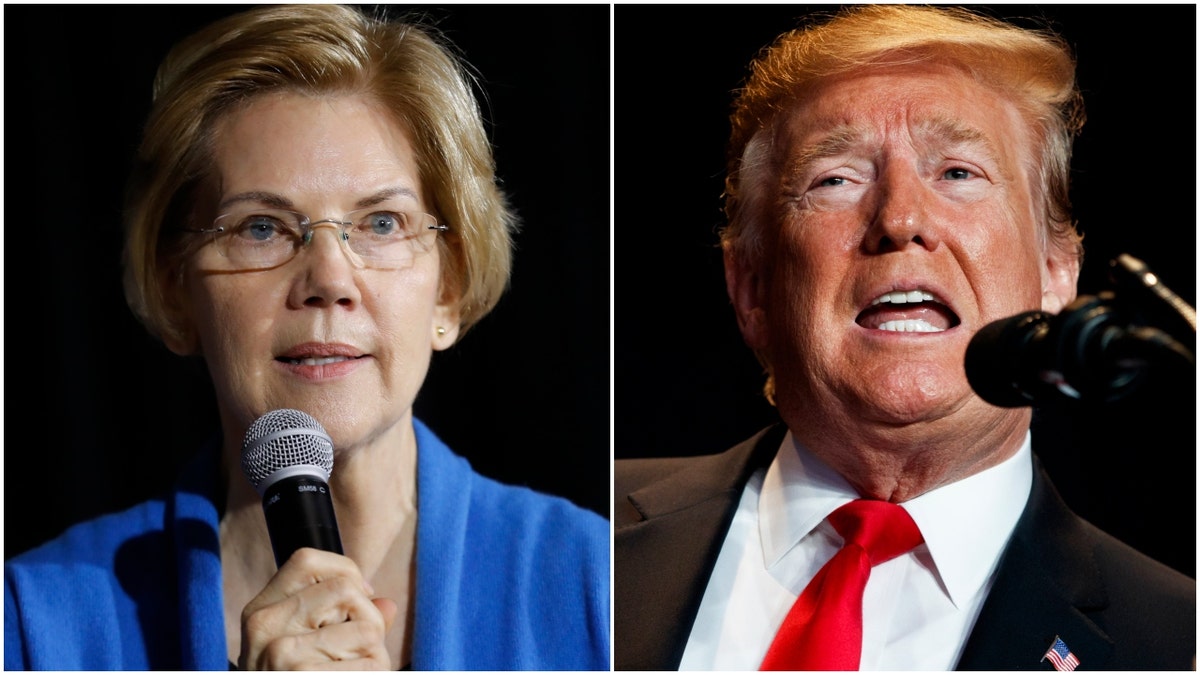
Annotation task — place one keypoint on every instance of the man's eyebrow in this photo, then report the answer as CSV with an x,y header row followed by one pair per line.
x,y
958,133
834,142
841,138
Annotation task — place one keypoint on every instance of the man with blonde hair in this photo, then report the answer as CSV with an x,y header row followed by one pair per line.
x,y
897,179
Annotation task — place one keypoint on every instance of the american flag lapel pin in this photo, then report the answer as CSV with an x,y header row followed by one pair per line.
x,y
1060,656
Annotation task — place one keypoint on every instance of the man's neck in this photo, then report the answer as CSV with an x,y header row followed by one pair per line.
x,y
899,463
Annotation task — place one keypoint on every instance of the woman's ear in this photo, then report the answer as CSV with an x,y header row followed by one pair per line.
x,y
178,328
447,314
445,331
447,321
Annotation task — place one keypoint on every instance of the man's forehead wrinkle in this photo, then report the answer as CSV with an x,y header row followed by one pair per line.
x,y
816,139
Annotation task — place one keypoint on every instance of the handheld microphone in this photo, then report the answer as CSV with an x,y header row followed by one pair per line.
x,y
288,457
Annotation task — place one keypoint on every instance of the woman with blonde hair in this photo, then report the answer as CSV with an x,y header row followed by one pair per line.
x,y
314,212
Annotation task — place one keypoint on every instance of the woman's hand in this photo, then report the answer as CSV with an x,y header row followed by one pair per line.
x,y
316,613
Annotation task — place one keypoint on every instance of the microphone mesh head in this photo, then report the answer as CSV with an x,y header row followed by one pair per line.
x,y
282,439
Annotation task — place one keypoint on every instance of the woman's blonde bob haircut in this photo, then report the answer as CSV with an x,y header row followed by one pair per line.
x,y
1034,69
409,69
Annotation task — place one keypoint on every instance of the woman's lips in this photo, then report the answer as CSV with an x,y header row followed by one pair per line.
x,y
315,360
319,361
322,367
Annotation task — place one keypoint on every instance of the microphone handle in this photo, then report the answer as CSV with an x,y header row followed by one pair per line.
x,y
299,512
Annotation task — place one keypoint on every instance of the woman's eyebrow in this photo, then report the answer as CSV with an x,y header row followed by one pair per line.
x,y
384,195
259,197
278,201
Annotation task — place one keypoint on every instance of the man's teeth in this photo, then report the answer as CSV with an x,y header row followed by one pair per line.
x,y
909,326
901,297
321,361
894,299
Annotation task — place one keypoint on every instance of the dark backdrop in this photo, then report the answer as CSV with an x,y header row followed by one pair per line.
x,y
684,383
99,416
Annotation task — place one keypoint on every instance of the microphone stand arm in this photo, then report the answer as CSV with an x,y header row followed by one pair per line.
x,y
1108,342
1129,273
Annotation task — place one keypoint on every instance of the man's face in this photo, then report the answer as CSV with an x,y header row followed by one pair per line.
x,y
906,222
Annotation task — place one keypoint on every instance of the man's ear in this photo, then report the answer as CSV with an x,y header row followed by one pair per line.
x,y
747,288
1060,278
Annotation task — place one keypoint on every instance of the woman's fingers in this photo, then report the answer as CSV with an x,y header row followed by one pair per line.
x,y
331,647
316,613
306,567
388,608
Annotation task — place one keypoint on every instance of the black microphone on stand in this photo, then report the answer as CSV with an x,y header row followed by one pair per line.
x,y
1094,349
288,457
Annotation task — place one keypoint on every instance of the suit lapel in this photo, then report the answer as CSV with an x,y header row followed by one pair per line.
x,y
663,561
1046,584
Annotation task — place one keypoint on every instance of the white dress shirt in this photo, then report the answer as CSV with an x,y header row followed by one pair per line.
x,y
918,609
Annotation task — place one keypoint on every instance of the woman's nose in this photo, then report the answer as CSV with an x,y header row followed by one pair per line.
x,y
328,268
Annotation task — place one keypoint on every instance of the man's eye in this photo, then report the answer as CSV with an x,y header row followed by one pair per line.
x,y
832,181
957,174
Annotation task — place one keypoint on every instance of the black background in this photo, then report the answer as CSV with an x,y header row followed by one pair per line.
x,y
684,383
100,416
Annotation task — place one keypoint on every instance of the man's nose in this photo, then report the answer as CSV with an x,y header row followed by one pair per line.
x,y
903,213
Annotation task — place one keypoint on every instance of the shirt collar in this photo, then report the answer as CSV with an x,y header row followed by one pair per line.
x,y
966,524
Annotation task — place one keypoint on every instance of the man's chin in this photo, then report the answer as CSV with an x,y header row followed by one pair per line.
x,y
894,414
881,408
914,418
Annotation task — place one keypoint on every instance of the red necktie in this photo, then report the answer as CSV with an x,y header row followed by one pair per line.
x,y
823,630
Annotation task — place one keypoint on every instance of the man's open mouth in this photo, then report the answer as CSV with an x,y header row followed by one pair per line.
x,y
908,311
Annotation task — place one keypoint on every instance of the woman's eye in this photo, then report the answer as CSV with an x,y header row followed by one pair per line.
x,y
385,222
260,228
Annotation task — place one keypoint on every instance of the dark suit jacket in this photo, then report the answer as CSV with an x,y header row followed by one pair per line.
x,y
1114,607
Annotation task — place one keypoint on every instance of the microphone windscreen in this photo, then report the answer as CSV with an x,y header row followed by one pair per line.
x,y
283,442
1002,359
